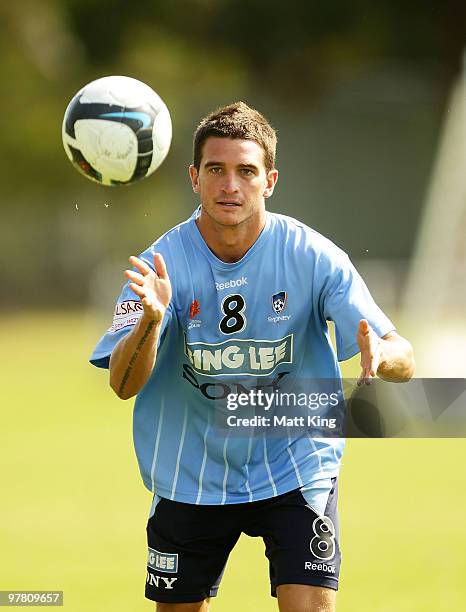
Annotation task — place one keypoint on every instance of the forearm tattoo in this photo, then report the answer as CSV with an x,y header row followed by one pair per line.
x,y
134,356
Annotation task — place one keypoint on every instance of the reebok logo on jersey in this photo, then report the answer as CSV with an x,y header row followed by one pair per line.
x,y
250,357
165,562
233,283
126,313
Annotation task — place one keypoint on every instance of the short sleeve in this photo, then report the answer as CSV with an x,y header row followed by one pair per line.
x,y
346,300
128,311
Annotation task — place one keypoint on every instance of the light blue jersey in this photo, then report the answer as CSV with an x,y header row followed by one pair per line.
x,y
228,323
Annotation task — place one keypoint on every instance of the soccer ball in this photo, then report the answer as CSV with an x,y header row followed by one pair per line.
x,y
116,130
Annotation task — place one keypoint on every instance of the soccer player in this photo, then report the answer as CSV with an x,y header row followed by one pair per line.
x,y
237,294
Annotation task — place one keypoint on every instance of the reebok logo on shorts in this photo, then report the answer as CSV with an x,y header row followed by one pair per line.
x,y
163,562
320,567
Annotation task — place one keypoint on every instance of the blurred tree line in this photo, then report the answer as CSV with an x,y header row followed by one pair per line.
x,y
304,64
281,44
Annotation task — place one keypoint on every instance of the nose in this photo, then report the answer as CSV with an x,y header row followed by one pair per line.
x,y
229,183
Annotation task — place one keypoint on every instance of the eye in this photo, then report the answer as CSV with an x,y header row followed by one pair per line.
x,y
215,170
247,172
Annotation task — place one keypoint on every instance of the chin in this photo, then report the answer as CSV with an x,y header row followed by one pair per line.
x,y
227,218
228,221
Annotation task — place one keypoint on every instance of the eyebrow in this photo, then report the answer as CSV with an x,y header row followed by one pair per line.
x,y
209,164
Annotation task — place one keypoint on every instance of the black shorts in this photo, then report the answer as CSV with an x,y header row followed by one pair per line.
x,y
189,544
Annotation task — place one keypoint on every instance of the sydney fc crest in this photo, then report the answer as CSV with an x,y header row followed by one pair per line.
x,y
279,301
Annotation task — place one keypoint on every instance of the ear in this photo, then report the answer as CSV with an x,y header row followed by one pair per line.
x,y
272,177
194,175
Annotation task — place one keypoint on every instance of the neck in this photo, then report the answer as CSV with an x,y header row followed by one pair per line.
x,y
230,242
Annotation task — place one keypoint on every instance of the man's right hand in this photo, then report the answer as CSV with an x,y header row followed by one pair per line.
x,y
153,288
133,358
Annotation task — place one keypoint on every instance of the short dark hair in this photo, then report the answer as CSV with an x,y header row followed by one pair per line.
x,y
236,120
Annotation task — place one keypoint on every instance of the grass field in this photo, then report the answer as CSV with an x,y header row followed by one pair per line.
x,y
73,509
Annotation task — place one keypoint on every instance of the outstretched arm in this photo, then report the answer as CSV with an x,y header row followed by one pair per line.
x,y
390,357
133,358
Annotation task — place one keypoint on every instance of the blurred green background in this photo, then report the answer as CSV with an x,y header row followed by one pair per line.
x,y
369,103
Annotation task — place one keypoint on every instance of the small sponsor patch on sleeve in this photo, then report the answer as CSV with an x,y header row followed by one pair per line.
x,y
126,313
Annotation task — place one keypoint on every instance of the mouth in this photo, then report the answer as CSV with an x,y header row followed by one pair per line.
x,y
228,203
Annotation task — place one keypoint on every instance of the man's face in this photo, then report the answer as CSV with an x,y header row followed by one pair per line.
x,y
232,181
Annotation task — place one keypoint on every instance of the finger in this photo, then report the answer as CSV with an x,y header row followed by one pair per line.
x,y
137,290
366,377
362,376
141,265
160,267
135,277
361,380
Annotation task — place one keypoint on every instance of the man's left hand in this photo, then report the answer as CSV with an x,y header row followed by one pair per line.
x,y
370,346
